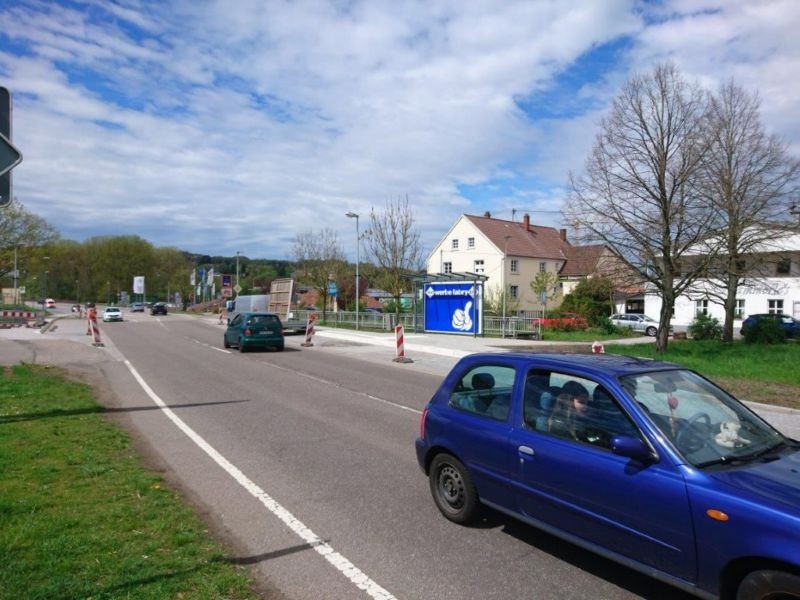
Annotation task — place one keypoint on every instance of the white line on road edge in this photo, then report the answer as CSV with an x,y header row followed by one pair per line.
x,y
339,562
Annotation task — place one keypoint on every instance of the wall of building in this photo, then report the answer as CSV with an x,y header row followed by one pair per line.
x,y
756,300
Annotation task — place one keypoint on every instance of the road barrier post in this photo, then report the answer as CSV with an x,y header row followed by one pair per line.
x,y
401,351
95,329
312,318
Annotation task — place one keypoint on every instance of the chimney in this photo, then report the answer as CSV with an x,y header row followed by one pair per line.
x,y
563,234
487,214
526,222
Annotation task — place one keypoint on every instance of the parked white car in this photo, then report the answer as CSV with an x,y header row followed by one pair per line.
x,y
112,313
642,323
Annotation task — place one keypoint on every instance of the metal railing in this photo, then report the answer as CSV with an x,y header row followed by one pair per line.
x,y
512,327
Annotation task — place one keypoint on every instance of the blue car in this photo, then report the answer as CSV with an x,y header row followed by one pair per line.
x,y
643,462
791,326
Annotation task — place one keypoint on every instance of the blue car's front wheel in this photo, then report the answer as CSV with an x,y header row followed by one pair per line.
x,y
452,489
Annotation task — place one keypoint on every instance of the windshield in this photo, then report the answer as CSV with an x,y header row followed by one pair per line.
x,y
705,424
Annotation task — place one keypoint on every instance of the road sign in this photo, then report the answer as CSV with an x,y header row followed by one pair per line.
x,y
10,157
237,288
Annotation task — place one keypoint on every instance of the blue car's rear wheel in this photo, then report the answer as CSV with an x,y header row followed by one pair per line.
x,y
452,489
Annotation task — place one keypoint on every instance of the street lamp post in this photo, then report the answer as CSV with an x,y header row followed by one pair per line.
x,y
505,252
44,282
237,271
108,293
352,215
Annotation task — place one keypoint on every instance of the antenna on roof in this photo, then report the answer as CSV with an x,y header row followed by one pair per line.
x,y
513,213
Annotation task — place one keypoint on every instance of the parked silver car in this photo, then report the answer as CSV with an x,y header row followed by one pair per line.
x,y
641,323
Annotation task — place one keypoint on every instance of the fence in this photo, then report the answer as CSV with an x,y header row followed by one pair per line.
x,y
513,327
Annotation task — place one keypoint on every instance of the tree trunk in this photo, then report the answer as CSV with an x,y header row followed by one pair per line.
x,y
730,309
662,337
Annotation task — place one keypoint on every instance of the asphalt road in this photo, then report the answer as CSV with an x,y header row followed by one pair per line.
x,y
314,444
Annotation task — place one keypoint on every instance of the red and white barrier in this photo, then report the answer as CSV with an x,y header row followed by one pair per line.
x,y
401,351
597,348
312,318
19,314
93,328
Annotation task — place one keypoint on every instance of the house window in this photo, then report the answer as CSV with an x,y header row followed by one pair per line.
x,y
738,311
455,244
478,266
471,242
784,266
775,307
514,265
700,307
542,267
448,267
513,291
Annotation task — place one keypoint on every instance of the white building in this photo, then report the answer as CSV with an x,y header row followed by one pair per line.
x,y
772,287
510,254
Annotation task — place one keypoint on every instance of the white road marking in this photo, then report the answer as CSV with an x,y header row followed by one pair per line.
x,y
210,346
329,384
323,548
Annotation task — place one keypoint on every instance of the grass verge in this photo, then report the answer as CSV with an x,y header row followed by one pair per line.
x,y
79,516
756,372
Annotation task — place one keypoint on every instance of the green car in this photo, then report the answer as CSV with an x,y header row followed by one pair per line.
x,y
254,330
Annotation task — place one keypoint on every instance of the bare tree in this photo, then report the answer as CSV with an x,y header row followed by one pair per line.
x,y
394,246
319,259
637,194
751,181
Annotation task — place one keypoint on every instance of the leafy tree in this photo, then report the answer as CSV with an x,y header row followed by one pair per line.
x,y
24,234
639,191
544,286
592,298
394,245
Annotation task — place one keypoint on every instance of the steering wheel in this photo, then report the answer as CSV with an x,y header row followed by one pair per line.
x,y
690,437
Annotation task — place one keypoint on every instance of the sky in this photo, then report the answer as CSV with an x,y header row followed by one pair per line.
x,y
234,125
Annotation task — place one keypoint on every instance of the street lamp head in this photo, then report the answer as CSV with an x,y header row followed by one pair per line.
x,y
351,215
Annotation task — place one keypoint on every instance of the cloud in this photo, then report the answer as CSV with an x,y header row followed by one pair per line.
x,y
218,126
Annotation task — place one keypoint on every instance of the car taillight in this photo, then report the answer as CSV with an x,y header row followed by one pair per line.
x,y
247,333
422,424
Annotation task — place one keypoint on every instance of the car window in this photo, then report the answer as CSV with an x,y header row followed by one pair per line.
x,y
574,408
236,321
485,390
702,421
262,320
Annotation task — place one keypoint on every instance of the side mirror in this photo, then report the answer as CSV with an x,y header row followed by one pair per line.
x,y
631,447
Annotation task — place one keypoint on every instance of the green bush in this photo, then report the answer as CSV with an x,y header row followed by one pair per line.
x,y
705,327
765,331
606,326
591,298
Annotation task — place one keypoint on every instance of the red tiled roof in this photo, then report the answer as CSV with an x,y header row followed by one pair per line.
x,y
536,242
582,260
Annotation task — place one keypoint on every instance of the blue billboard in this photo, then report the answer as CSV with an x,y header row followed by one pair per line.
x,y
453,307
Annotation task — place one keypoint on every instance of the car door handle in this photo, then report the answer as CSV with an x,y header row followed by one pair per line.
x,y
526,450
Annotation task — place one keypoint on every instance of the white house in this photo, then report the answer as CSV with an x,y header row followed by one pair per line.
x,y
773,286
510,254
